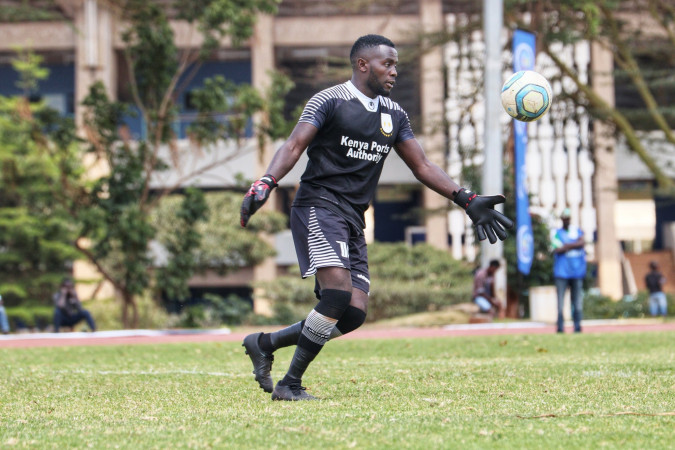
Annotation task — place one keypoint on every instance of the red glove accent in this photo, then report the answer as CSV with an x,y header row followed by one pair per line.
x,y
256,196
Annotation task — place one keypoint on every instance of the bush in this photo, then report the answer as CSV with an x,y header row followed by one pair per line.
x,y
291,298
107,313
215,311
39,317
404,280
601,307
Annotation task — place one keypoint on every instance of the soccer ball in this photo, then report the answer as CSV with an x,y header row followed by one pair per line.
x,y
526,95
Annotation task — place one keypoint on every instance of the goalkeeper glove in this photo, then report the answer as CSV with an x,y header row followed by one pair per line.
x,y
481,211
256,196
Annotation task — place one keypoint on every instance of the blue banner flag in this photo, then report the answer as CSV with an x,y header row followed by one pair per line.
x,y
523,59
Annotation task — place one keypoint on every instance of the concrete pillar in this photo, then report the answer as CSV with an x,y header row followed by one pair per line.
x,y
607,248
94,61
262,61
94,51
431,98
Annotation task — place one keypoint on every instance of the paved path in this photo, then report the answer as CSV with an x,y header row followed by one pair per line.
x,y
126,337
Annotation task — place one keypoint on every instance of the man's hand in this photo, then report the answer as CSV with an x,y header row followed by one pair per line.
x,y
256,196
481,211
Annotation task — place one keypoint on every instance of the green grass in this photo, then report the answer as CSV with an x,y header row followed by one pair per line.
x,y
543,391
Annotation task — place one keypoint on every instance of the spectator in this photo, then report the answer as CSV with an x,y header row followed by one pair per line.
x,y
657,298
68,310
569,268
4,323
484,289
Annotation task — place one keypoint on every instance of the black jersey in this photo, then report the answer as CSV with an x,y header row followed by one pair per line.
x,y
356,134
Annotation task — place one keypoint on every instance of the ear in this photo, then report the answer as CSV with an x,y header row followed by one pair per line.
x,y
362,65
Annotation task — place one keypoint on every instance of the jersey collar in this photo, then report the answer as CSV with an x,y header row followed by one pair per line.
x,y
369,103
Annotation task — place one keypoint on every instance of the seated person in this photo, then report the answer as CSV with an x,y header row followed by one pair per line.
x,y
484,289
68,310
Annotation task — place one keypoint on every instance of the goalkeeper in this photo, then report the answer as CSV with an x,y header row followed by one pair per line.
x,y
348,130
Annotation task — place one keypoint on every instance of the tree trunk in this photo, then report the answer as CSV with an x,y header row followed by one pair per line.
x,y
129,301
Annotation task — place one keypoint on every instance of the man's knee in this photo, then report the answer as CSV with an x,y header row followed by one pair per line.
x,y
351,319
333,303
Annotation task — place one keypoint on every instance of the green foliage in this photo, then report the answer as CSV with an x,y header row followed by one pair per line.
x,y
30,316
407,280
225,245
120,221
36,232
27,11
277,127
27,64
404,280
151,315
219,18
110,219
601,307
291,298
154,57
182,244
220,95
215,311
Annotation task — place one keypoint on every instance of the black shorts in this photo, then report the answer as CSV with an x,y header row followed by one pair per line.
x,y
322,238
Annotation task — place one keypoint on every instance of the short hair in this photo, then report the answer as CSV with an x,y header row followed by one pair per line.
x,y
653,265
367,41
495,263
67,281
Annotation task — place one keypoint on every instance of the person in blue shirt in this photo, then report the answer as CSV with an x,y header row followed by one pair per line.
x,y
569,268
4,323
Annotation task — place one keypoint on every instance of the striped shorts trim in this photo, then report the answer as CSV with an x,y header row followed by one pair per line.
x,y
323,238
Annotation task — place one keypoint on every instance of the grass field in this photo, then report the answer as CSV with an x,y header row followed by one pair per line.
x,y
518,391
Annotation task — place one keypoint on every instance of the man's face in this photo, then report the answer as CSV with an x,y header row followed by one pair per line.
x,y
382,73
565,222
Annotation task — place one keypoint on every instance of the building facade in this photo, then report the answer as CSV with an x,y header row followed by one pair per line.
x,y
81,42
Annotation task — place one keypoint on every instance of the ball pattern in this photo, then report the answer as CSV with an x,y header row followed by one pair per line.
x,y
526,95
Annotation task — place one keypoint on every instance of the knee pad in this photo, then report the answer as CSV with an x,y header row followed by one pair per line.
x,y
333,303
350,321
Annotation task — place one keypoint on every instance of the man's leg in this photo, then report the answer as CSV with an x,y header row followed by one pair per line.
x,y
335,298
576,297
352,319
4,323
261,346
653,304
560,286
58,319
90,320
663,304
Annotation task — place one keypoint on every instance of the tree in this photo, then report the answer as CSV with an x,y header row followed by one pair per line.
x,y
38,156
115,210
217,243
111,220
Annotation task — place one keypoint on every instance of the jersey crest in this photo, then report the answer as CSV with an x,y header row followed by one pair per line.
x,y
387,124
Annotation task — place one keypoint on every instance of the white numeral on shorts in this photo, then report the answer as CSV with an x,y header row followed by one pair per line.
x,y
343,249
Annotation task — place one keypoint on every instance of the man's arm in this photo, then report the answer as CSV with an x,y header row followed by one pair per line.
x,y
427,172
60,299
579,243
480,209
290,151
282,162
